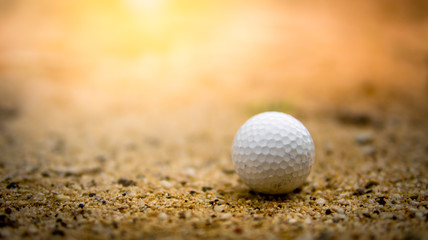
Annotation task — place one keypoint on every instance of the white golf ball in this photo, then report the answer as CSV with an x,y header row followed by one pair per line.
x,y
273,153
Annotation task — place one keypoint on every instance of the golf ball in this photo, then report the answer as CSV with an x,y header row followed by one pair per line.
x,y
273,153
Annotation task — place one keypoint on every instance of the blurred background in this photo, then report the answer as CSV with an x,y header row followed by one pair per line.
x,y
181,51
194,62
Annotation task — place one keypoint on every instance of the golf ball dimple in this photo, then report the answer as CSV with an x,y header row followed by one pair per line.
x,y
273,153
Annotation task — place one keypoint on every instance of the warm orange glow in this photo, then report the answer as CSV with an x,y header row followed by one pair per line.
x,y
145,5
267,49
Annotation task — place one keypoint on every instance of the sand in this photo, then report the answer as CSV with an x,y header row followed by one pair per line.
x,y
78,173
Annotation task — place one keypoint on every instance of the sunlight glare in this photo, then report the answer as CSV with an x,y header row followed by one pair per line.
x,y
145,5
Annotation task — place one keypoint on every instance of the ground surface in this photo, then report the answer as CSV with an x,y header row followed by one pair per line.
x,y
97,144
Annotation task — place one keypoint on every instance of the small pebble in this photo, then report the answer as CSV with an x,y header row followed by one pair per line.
x,y
371,184
340,210
297,190
126,182
364,138
359,192
321,201
219,208
414,197
308,221
12,185
292,221
162,216
204,189
381,200
238,230
166,184
58,232
182,215
190,172
62,197
353,118
228,171
8,211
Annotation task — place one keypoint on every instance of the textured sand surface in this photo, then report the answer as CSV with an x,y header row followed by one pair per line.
x,y
96,144
127,173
